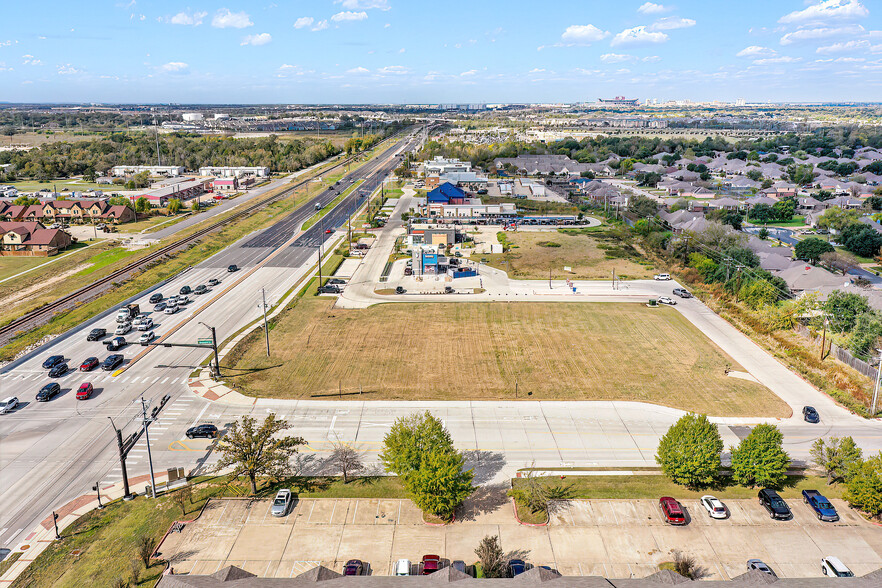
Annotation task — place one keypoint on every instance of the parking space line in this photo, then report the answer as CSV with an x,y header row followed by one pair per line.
x,y
165,379
134,380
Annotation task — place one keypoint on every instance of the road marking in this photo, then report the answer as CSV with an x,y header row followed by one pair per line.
x,y
3,530
165,379
154,380
126,379
14,535
199,416
171,446
134,380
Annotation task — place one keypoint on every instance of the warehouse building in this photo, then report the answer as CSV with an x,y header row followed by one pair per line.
x,y
154,170
182,191
237,172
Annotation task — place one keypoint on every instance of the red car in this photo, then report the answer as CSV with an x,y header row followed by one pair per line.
x,y
672,511
328,231
85,391
353,567
90,364
431,563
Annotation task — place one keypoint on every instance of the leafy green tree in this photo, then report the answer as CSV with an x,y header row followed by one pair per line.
x,y
762,213
784,209
812,248
89,175
837,218
689,453
535,492
174,206
409,439
838,457
120,201
861,240
643,206
194,205
801,174
142,204
763,233
252,451
874,203
490,557
440,484
865,335
759,293
760,459
864,488
733,218
25,201
755,175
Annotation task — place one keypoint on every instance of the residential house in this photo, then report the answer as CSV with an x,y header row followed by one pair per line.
x,y
806,278
810,205
31,238
725,204
754,200
118,213
844,202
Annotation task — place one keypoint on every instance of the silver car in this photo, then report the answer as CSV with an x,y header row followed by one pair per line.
x,y
282,503
8,405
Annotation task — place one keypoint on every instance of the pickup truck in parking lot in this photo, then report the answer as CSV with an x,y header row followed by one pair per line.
x,y
822,507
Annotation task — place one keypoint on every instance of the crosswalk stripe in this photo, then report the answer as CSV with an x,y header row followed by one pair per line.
x,y
165,380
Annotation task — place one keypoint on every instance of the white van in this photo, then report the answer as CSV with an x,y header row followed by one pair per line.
x,y
662,277
833,567
402,567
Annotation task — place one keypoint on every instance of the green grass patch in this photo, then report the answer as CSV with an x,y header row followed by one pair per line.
x,y
796,221
106,258
11,559
548,244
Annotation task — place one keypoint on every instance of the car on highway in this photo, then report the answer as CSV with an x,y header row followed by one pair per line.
x,y
833,567
171,309
182,300
516,567
329,231
774,504
115,344
353,567
666,300
682,293
213,282
52,361
146,324
204,431
810,414
8,404
96,334
232,268
402,567
714,507
282,503
661,277
171,300
111,362
84,392
160,307
430,563
201,289
123,328
672,512
58,370
48,392
824,510
760,566
146,338
89,364
184,290
156,298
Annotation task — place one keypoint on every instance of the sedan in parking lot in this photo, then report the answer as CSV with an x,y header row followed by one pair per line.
x,y
58,370
759,565
204,431
48,392
353,567
85,391
52,361
682,293
810,414
111,361
96,334
666,300
146,338
715,509
430,563
89,364
282,503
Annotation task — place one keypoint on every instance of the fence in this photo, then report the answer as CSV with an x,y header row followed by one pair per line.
x,y
842,355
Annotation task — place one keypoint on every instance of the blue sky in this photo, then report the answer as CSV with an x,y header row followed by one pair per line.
x,y
369,51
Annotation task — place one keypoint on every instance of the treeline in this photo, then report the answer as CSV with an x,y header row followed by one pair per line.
x,y
98,156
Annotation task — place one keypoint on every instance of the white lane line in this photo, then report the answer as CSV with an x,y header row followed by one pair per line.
x,y
134,380
199,416
165,380
126,379
3,530
14,535
176,380
155,380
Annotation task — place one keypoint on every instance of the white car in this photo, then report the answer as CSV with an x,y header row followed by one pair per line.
x,y
171,300
145,324
8,405
666,300
183,300
402,567
123,328
833,567
146,338
715,509
662,277
171,309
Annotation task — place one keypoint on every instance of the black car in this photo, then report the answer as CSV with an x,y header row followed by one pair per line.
x,y
232,268
48,392
682,293
774,504
115,344
206,431
336,281
96,334
156,298
201,289
213,282
111,361
58,370
399,290
810,414
185,290
329,289
52,361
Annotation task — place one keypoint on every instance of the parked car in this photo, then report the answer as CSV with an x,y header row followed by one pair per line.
x,y
353,567
402,567
833,566
682,293
459,566
282,503
160,307
52,361
672,511
96,334
89,364
115,344
760,566
146,324
774,504
58,370
232,268
48,392
715,509
204,431
821,506
400,290
329,289
213,282
430,563
516,567
184,290
810,414
666,300
8,404
337,281
156,298
146,338
111,361
123,328
201,289
84,392
661,277
171,309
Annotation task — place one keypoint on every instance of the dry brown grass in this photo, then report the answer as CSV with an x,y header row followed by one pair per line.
x,y
573,351
589,255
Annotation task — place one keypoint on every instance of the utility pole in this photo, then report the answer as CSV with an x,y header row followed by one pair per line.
x,y
876,390
149,454
549,279
97,488
686,251
265,325
321,235
216,359
127,495
824,339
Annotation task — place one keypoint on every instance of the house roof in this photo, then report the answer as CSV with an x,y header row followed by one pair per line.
x,y
444,193
808,277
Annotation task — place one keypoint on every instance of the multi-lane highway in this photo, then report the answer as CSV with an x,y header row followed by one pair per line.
x,y
52,452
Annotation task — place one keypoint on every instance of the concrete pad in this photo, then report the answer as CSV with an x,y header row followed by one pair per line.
x,y
627,544
414,542
625,512
847,516
263,542
321,512
737,544
364,512
872,536
340,512
846,544
259,512
460,540
740,512
647,512
574,545
212,543
236,513
797,570
184,566
291,569
409,514
790,545
313,543
530,543
687,539
387,510
213,512
203,568
757,515
370,543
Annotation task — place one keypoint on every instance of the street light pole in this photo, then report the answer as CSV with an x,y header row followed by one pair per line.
x,y
149,454
265,325
97,489
217,371
876,390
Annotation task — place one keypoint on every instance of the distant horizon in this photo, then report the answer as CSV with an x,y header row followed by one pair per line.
x,y
843,103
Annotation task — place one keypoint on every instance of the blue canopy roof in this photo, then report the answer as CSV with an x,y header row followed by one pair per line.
x,y
444,193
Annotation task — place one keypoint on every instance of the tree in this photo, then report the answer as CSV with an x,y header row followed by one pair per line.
x,y
25,201
784,209
837,218
146,545
866,334
762,213
689,453
535,492
733,218
760,460
142,204
120,201
812,249
844,308
183,498
194,205
801,174
347,460
874,203
864,489
490,557
254,451
861,239
840,260
643,206
174,206
754,174
763,233
409,439
440,484
838,457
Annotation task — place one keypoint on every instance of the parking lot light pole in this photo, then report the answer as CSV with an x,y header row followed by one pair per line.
x,y
97,489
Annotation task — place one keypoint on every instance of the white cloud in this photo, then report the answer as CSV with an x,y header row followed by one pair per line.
x,y
226,19
651,59
393,69
773,60
670,23
387,25
820,33
637,36
844,47
536,70
259,39
320,25
31,60
358,70
653,8
68,70
615,57
827,9
174,67
756,51
303,21
469,73
188,18
364,4
583,34
348,16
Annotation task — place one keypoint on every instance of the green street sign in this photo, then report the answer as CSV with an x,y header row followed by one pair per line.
x,y
204,341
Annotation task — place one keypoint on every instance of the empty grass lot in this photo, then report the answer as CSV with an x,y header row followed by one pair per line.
x,y
571,351
592,255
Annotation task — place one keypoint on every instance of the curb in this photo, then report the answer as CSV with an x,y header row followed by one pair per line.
x,y
450,522
514,507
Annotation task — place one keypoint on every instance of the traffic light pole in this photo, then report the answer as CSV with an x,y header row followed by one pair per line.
x,y
127,495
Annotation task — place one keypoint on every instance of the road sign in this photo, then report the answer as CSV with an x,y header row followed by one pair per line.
x,y
204,342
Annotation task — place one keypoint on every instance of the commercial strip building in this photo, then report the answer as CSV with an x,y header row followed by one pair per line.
x,y
155,170
237,172
182,191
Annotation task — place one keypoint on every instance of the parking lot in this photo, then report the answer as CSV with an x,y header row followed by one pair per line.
x,y
612,538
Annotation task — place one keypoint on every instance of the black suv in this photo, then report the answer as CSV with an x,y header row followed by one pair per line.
x,y
185,290
96,334
58,370
232,268
48,392
115,344
111,362
201,289
399,290
156,298
52,361
774,504
206,431
810,414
